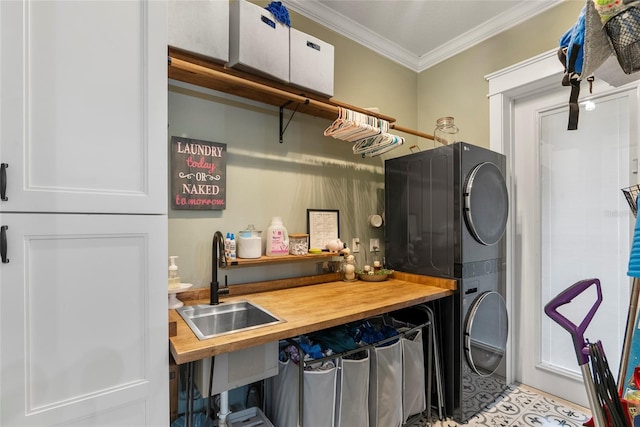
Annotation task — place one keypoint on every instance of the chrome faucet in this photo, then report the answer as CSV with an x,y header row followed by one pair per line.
x,y
218,259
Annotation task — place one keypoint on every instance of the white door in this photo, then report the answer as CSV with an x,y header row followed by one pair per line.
x,y
83,320
83,110
572,223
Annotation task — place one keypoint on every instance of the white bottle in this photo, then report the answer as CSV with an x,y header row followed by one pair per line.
x,y
232,247
277,238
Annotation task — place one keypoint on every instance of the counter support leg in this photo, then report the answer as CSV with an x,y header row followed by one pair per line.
x,y
427,337
300,383
434,361
189,404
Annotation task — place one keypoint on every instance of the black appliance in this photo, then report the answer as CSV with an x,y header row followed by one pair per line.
x,y
445,215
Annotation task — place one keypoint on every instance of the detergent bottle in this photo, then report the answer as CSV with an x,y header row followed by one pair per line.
x,y
277,238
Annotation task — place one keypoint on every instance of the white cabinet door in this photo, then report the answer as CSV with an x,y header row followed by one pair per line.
x,y
83,110
83,320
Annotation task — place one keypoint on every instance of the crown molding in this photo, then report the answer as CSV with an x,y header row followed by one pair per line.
x,y
327,17
349,28
508,19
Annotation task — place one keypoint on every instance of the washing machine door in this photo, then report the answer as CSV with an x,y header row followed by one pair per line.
x,y
486,203
485,334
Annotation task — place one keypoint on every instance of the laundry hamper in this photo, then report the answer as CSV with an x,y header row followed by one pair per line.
x,y
318,399
414,399
422,317
385,386
282,395
352,393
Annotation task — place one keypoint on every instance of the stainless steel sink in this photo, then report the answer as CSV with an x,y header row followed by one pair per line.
x,y
207,321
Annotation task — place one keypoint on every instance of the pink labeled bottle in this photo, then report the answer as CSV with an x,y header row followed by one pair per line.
x,y
277,238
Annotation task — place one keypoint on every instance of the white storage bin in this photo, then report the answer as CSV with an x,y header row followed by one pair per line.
x,y
200,26
414,399
310,63
238,368
352,408
257,41
385,386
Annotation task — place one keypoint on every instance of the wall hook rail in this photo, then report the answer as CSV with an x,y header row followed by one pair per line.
x,y
283,127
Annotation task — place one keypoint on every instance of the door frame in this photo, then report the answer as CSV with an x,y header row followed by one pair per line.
x,y
506,86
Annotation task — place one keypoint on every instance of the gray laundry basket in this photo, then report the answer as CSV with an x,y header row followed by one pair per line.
x,y
318,401
414,399
282,395
385,386
352,408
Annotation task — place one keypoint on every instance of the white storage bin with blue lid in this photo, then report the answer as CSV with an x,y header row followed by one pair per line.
x,y
311,63
200,27
257,41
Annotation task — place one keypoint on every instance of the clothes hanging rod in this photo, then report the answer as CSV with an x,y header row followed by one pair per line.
x,y
411,131
190,72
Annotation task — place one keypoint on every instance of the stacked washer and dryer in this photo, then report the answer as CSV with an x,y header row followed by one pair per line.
x,y
445,215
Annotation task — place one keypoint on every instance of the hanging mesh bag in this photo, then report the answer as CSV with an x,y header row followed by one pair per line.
x,y
623,30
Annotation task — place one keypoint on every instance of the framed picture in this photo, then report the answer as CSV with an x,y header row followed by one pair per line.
x,y
198,174
323,225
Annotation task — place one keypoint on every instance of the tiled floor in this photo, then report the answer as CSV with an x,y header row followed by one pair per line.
x,y
522,406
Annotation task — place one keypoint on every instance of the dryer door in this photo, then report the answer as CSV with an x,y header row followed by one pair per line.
x,y
485,333
486,203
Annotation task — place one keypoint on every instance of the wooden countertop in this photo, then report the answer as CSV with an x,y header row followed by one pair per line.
x,y
310,308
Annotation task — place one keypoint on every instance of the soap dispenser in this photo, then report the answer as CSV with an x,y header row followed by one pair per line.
x,y
175,284
174,280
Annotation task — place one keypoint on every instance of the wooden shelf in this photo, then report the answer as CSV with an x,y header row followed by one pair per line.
x,y
248,262
189,68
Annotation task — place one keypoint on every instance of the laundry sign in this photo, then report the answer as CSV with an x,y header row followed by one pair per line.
x,y
198,174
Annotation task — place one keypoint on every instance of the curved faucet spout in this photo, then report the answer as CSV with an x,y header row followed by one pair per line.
x,y
218,259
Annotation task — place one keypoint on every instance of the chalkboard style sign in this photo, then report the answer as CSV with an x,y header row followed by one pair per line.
x,y
198,174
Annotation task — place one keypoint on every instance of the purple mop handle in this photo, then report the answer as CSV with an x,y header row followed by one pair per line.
x,y
577,332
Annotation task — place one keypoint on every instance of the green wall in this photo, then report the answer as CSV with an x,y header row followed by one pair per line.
x,y
309,170
457,87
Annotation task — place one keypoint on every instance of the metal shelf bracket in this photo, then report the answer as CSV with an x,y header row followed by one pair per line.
x,y
284,127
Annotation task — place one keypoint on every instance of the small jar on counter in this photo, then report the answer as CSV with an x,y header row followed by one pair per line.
x,y
298,244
